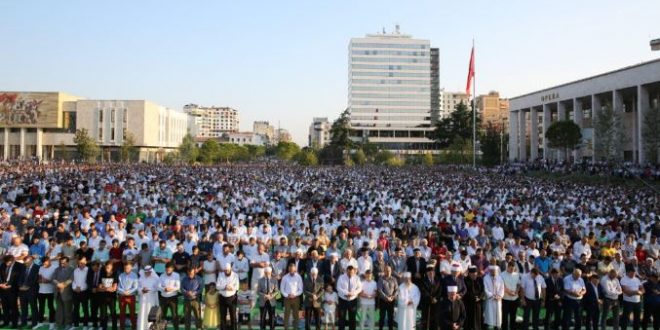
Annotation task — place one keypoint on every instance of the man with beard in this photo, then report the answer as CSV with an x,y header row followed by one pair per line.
x,y
473,299
453,311
431,291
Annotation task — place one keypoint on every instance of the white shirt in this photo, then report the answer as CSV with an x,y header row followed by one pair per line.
x,y
611,287
511,281
528,283
47,273
227,284
631,284
364,264
18,251
291,285
346,285
369,287
573,286
80,278
169,281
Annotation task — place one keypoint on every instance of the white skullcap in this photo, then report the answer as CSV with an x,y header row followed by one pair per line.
x,y
227,266
268,269
314,270
407,275
452,289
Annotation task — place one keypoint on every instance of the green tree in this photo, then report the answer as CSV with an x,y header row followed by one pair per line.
x,y
255,152
88,149
427,159
457,125
209,151
609,134
492,141
306,157
359,157
565,135
128,149
170,158
383,157
286,150
650,135
340,132
188,150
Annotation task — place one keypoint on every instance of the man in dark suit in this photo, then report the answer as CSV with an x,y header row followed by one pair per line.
x,y
331,269
416,266
592,301
299,262
554,293
62,279
267,290
29,287
313,290
431,294
93,281
9,283
313,261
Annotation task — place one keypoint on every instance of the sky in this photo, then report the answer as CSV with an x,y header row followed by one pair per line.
x,y
286,61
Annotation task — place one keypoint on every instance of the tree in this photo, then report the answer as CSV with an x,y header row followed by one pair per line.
x,y
609,134
340,132
306,157
188,150
564,134
87,148
492,140
209,151
427,159
383,156
128,148
359,157
457,125
286,150
650,135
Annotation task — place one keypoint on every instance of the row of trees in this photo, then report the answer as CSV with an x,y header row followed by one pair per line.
x,y
89,151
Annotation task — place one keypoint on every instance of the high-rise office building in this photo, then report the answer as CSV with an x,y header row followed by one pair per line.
x,y
391,80
211,122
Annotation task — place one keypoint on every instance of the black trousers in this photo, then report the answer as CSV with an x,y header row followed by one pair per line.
x,y
347,308
532,307
171,304
108,307
267,312
29,299
573,311
46,300
9,307
94,306
651,311
509,310
386,308
631,308
80,301
592,319
228,306
316,313
552,310
428,320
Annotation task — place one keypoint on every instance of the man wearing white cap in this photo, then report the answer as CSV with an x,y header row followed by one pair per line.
x,y
267,291
313,288
148,293
453,311
494,288
408,300
227,285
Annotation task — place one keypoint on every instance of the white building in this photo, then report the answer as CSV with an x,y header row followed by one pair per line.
x,y
632,90
319,132
266,129
389,91
211,121
449,101
245,138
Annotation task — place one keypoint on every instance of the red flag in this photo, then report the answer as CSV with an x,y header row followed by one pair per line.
x,y
470,73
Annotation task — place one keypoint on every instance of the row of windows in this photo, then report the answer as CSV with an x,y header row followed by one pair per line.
x,y
390,74
403,103
391,96
387,60
391,118
390,53
391,67
381,45
391,81
113,114
372,110
390,89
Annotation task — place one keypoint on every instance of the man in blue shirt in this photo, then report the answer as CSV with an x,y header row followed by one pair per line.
x,y
191,287
543,263
126,290
162,255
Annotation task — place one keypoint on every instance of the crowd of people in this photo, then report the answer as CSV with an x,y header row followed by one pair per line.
x,y
100,246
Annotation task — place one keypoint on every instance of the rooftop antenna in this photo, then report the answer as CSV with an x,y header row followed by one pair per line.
x,y
397,29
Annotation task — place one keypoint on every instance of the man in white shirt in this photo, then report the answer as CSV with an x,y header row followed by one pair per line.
x,y
368,301
80,292
291,289
612,291
632,296
169,286
581,247
510,301
533,286
574,289
227,285
349,287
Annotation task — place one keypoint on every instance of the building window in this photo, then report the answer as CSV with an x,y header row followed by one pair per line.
x,y
125,133
112,115
125,116
100,115
101,133
112,134
69,121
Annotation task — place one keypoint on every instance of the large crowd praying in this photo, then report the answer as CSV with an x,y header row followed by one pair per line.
x,y
243,246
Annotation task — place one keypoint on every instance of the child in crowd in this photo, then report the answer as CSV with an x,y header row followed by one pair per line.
x,y
329,307
211,317
246,302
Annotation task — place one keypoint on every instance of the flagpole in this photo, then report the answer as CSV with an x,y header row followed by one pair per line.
x,y
474,115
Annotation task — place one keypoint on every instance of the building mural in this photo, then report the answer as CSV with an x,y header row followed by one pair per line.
x,y
29,109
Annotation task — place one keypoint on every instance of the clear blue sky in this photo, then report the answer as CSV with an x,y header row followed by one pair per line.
x,y
286,61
